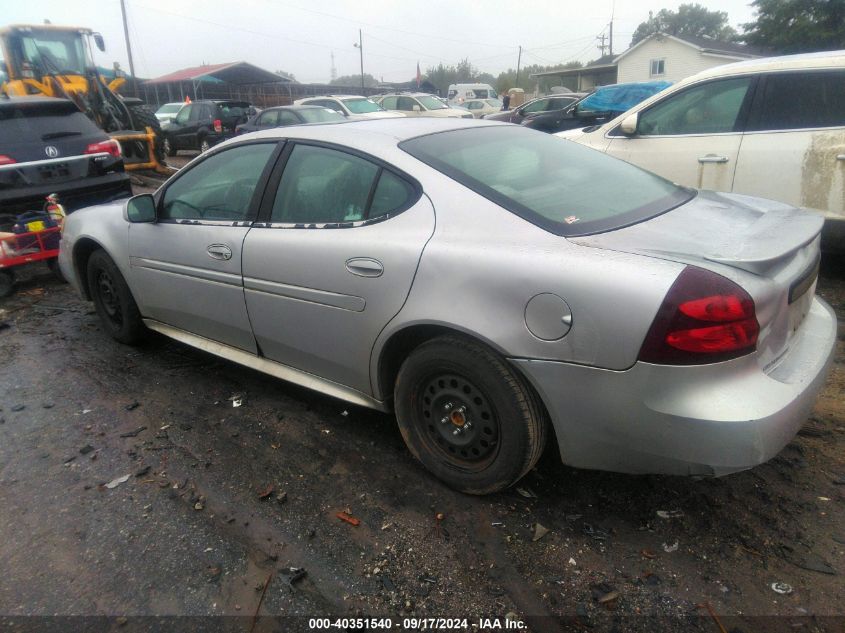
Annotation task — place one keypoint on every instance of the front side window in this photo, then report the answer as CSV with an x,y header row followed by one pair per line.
x,y
327,186
431,103
269,118
540,105
546,182
803,100
711,108
658,68
220,187
389,103
184,114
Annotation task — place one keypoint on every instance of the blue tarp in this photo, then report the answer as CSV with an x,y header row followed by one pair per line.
x,y
620,97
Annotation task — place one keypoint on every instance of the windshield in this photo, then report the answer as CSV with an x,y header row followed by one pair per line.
x,y
320,115
362,106
557,185
169,108
432,103
54,52
620,98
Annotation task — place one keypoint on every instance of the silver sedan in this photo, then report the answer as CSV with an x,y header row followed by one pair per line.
x,y
494,287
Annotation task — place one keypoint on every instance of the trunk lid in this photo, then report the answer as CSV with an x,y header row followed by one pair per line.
x,y
769,248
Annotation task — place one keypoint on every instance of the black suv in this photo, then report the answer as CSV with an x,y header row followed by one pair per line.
x,y
49,146
202,124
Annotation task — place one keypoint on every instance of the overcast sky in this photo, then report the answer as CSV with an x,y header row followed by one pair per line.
x,y
299,36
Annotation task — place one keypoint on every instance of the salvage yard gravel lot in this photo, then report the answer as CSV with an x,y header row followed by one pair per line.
x,y
233,510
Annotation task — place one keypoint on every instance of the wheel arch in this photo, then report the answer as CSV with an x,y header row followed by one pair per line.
x,y
82,251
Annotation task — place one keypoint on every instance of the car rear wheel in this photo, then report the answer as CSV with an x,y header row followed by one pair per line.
x,y
113,300
204,146
467,416
169,148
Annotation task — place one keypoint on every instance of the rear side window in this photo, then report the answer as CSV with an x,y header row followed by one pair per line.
x,y
802,100
562,187
327,186
37,124
710,108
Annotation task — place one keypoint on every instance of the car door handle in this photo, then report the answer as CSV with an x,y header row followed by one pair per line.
x,y
219,251
840,157
365,267
712,158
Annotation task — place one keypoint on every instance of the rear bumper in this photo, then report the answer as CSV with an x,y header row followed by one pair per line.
x,y
700,420
73,195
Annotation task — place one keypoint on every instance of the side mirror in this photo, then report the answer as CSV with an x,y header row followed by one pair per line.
x,y
628,127
417,108
100,42
141,208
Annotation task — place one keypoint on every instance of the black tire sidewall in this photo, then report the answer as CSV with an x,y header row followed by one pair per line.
x,y
7,283
505,393
131,326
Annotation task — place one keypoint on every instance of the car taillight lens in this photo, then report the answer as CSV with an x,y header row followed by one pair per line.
x,y
6,160
705,318
110,146
218,125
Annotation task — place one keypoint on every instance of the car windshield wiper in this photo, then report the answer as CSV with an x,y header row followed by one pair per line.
x,y
51,135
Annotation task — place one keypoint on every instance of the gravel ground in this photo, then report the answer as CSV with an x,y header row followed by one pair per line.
x,y
131,487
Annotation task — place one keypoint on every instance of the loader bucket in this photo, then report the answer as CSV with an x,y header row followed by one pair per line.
x,y
138,150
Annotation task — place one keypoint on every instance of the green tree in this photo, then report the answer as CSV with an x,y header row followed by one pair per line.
x,y
507,79
690,19
355,80
797,26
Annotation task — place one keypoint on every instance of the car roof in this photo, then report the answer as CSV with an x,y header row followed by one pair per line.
x,y
36,102
803,61
301,106
374,132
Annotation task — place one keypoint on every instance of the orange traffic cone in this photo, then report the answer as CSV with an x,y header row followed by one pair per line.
x,y
187,100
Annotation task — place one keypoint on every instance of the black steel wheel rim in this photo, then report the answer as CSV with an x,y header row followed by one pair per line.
x,y
108,297
459,423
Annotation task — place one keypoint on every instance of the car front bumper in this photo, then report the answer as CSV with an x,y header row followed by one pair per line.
x,y
703,420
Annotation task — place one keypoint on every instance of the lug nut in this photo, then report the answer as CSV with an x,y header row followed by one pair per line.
x,y
444,419
458,430
448,406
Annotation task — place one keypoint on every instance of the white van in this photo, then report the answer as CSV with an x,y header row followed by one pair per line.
x,y
772,128
458,93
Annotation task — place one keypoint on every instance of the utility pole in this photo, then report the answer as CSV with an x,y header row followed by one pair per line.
x,y
128,49
360,47
334,68
518,62
601,38
611,36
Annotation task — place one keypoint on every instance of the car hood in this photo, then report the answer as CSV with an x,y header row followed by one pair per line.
x,y
743,232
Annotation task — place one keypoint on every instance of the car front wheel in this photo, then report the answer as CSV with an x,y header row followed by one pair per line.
x,y
204,146
467,416
113,300
169,148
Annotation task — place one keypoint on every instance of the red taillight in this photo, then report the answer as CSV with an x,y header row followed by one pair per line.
x,y
705,318
218,126
110,146
7,160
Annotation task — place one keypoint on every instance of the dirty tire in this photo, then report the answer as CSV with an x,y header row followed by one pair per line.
x,y
452,382
168,147
113,300
53,265
204,146
144,116
7,283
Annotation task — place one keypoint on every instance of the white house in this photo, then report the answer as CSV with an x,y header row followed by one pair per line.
x,y
673,57
659,56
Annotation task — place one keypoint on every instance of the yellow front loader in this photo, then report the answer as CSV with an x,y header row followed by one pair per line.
x,y
58,61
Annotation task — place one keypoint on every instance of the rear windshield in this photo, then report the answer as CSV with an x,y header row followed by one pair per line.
x,y
553,183
320,115
431,103
362,106
29,124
